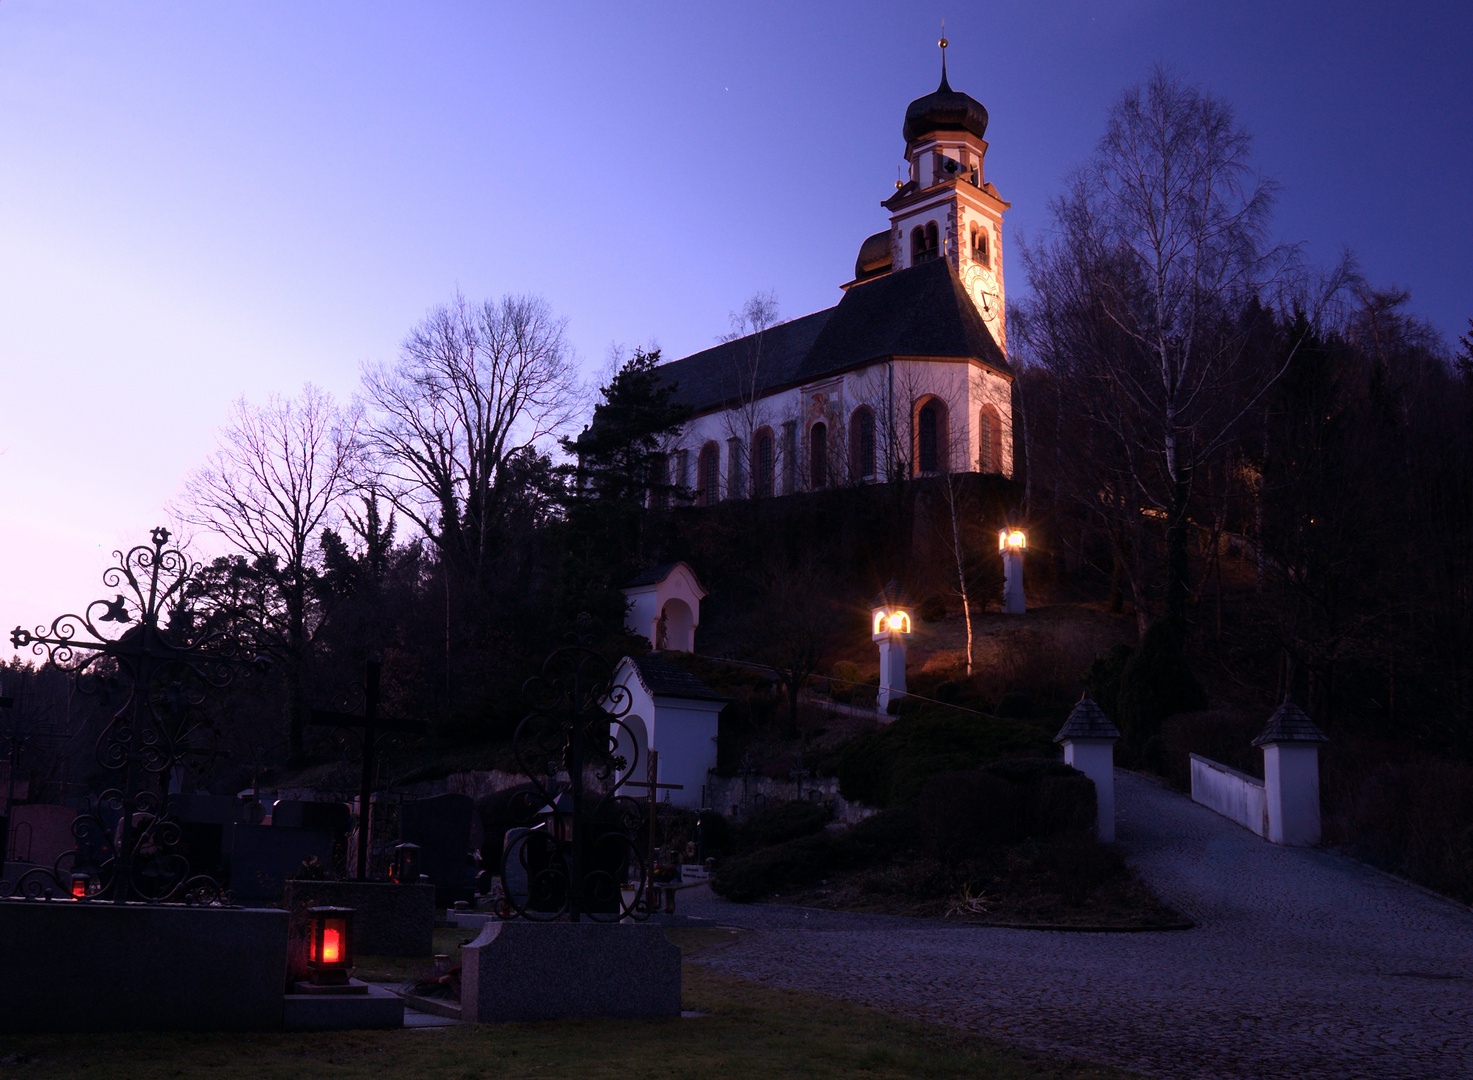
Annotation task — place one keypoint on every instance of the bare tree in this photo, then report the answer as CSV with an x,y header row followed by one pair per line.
x,y
476,386
1146,300
275,482
748,411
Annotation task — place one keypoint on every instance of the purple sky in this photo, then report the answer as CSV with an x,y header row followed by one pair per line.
x,y
200,201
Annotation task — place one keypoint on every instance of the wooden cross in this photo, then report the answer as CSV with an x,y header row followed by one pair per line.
x,y
654,788
370,722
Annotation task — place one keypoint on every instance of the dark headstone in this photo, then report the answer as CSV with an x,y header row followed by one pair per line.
x,y
334,819
261,857
211,809
441,826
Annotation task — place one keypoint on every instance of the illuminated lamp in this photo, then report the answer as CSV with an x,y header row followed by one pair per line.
x,y
330,954
404,869
1012,542
81,886
891,625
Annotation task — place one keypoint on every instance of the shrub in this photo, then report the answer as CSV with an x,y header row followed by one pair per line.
x,y
962,813
1155,683
948,692
714,833
932,609
847,678
780,823
1016,705
810,859
889,767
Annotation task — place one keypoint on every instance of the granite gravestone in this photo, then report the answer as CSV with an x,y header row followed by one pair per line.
x,y
441,826
333,819
203,820
260,858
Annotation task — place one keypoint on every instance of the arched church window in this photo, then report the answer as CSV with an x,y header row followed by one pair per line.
x,y
989,440
762,464
818,455
930,436
708,476
923,242
980,251
862,443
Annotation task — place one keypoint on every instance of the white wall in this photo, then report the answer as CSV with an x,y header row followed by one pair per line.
x,y
1291,774
1232,794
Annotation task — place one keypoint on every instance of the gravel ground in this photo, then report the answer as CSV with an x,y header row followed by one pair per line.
x,y
1303,963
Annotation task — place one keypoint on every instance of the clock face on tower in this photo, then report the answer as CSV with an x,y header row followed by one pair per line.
x,y
982,287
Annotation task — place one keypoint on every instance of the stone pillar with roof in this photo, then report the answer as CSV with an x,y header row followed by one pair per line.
x,y
1291,775
1089,745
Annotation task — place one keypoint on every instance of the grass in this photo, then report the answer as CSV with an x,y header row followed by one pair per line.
x,y
398,969
747,1030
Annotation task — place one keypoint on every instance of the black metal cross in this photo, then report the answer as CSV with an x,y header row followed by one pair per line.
x,y
371,722
8,703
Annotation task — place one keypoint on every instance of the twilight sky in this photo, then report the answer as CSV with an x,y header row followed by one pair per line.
x,y
200,201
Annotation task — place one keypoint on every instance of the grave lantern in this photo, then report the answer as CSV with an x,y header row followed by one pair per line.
x,y
891,622
1012,542
330,955
404,869
81,885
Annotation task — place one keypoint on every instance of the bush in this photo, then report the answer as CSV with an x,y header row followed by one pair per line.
x,y
780,823
810,859
962,813
948,692
847,678
1155,683
889,767
1015,705
932,609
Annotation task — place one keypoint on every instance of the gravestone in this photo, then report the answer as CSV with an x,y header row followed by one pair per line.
x,y
40,834
331,818
441,826
203,820
260,858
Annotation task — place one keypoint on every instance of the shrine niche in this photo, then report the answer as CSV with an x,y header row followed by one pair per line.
x,y
665,606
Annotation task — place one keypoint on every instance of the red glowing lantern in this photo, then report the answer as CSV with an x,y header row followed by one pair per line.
x,y
80,883
330,954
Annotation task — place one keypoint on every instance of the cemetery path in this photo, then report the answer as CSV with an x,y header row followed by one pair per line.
x,y
1303,963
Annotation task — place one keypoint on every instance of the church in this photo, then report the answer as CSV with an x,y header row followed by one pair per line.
x,y
906,376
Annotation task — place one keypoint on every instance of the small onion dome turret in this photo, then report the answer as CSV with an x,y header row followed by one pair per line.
x,y
944,110
1289,724
874,256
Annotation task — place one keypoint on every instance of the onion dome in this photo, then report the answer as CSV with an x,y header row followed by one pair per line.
x,y
1289,724
874,255
945,110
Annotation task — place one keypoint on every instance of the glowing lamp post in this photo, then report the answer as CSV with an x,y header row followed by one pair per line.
x,y
330,955
890,626
1012,541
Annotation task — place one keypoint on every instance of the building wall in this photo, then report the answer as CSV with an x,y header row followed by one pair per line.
x,y
964,387
1230,793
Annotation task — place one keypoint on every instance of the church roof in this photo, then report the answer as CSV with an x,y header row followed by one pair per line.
x,y
921,311
663,679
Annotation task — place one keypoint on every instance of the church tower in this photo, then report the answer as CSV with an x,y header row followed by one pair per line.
x,y
947,209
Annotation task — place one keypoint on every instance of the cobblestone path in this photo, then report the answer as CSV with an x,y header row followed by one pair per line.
x,y
1303,964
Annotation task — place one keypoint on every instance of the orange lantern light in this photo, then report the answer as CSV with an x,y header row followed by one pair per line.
x,y
330,954
80,883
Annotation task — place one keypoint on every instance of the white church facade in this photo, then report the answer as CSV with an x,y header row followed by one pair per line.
x,y
907,376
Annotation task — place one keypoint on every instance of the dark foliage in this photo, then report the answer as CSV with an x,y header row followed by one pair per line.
x,y
1157,682
964,813
891,766
809,859
780,823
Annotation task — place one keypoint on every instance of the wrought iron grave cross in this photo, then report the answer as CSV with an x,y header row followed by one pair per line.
x,y
371,723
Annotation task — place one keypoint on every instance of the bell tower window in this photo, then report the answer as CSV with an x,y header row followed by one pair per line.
x,y
980,249
925,243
